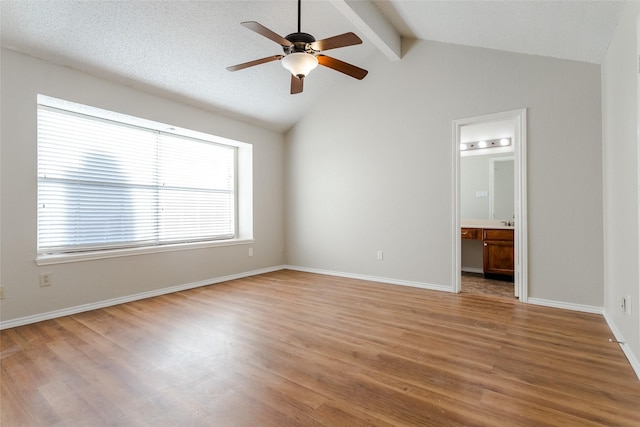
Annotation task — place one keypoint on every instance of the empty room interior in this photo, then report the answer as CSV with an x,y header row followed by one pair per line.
x,y
327,213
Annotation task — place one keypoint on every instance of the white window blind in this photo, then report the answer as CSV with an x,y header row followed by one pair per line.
x,y
104,184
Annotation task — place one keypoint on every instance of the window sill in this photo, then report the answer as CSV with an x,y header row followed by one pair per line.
x,y
115,253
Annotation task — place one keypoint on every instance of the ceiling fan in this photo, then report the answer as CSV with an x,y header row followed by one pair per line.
x,y
303,53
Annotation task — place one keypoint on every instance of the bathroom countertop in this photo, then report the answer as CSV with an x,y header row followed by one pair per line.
x,y
484,223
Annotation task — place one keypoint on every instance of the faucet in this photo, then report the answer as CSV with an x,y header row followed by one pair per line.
x,y
511,222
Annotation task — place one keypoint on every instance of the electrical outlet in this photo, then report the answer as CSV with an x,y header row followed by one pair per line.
x,y
379,255
625,305
45,279
250,251
628,305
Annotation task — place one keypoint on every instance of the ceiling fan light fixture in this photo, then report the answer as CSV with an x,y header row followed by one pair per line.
x,y
300,63
303,53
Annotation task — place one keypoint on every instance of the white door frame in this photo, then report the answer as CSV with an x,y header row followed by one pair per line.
x,y
638,142
519,118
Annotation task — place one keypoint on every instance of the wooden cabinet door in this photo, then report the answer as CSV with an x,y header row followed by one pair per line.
x,y
471,233
498,257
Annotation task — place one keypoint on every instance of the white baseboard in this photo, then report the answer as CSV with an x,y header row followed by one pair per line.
x,y
566,305
129,298
633,360
372,278
472,270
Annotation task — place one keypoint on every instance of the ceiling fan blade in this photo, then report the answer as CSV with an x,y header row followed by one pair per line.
x,y
256,62
296,84
342,40
343,67
264,31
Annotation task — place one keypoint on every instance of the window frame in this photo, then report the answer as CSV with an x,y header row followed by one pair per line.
x,y
243,183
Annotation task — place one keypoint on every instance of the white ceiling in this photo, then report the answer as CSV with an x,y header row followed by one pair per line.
x,y
180,49
579,30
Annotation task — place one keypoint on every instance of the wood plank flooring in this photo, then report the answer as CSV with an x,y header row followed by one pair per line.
x,y
298,349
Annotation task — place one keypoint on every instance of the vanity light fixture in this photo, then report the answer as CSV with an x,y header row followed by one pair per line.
x,y
488,144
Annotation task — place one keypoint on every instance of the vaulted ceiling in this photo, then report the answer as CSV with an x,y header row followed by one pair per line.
x,y
180,49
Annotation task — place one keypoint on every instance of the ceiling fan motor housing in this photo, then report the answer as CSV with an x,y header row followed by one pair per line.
x,y
301,42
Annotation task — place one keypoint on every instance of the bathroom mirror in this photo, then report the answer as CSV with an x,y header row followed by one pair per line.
x,y
501,192
487,187
487,172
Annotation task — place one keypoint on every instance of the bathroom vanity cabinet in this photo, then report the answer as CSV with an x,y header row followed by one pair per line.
x,y
498,251
498,248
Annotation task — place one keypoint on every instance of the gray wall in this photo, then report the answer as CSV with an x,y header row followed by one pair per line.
x,y
371,168
88,282
620,117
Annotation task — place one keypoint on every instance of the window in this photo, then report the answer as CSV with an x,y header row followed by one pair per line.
x,y
107,181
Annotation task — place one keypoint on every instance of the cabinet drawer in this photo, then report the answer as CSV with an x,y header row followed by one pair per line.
x,y
470,233
497,234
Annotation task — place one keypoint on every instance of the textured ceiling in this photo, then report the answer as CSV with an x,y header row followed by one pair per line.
x,y
579,30
180,49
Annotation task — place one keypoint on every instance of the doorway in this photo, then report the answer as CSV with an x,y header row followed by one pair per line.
x,y
516,119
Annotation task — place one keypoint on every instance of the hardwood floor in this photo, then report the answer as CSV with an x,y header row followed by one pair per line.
x,y
298,349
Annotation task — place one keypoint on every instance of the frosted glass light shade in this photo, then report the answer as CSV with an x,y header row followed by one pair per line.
x,y
299,63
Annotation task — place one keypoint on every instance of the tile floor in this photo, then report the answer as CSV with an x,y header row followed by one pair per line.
x,y
475,283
